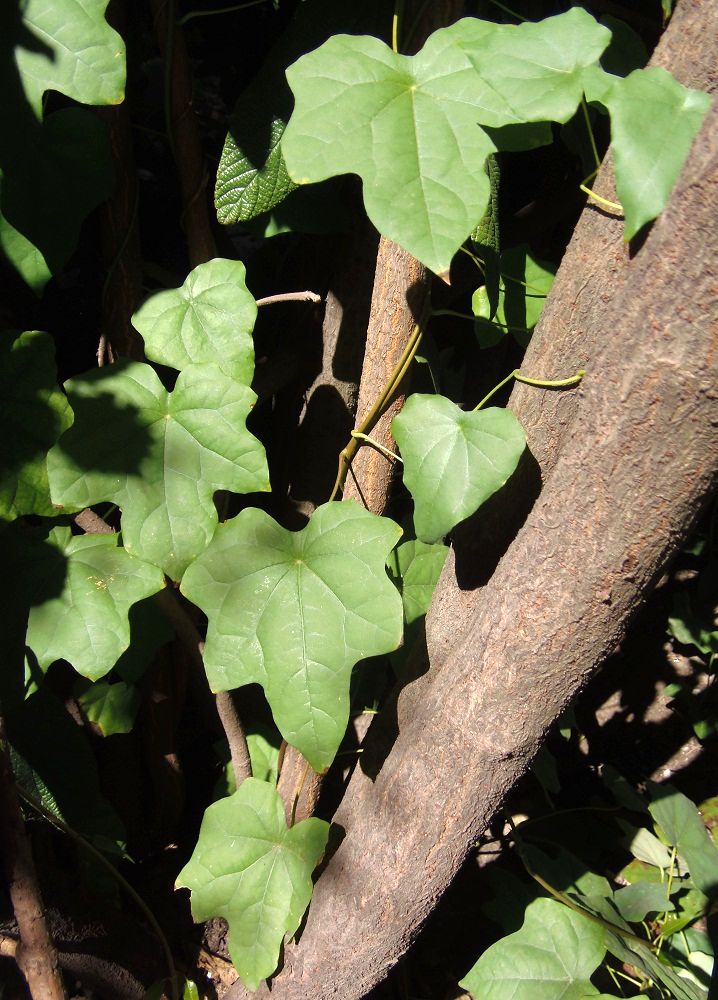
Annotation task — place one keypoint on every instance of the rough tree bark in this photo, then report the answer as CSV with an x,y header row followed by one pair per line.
x,y
624,480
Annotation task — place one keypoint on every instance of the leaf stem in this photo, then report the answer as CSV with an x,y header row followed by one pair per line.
x,y
507,10
398,10
560,383
218,10
591,137
136,898
613,205
270,300
375,444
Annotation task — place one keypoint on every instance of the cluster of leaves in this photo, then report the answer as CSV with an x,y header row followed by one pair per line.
x,y
291,611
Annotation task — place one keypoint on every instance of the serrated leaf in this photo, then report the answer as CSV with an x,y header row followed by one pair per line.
x,y
680,821
295,611
645,107
453,460
159,455
52,178
418,568
208,320
87,622
552,956
64,45
36,414
112,707
635,901
407,124
254,871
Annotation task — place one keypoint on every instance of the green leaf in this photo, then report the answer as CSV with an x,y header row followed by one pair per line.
x,y
683,827
407,125
552,956
644,846
112,707
634,902
208,320
295,611
254,871
688,629
64,45
645,107
52,178
453,460
264,753
36,414
418,567
87,622
159,455
525,282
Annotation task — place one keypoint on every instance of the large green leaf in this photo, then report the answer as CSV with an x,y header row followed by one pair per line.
x,y
159,455
87,622
408,125
682,825
64,45
36,414
453,460
294,611
645,107
552,957
209,319
51,178
254,871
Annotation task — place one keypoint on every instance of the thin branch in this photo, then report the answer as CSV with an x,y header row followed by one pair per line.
x,y
36,957
92,523
270,300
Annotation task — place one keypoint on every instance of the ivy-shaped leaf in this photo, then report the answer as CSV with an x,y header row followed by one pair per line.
x,y
454,460
408,125
112,707
254,871
208,320
294,611
159,455
417,566
552,956
36,415
645,107
682,825
87,623
524,284
64,45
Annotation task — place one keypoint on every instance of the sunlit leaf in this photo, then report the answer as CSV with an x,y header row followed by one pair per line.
x,y
294,611
208,320
418,568
254,871
683,827
36,414
87,623
112,707
454,460
636,901
159,455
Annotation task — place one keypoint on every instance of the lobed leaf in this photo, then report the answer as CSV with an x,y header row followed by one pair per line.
x,y
111,707
208,320
453,460
159,455
87,622
295,611
37,413
552,956
254,871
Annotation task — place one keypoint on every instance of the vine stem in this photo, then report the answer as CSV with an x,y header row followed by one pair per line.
x,y
395,25
559,383
376,444
347,453
270,300
190,15
120,879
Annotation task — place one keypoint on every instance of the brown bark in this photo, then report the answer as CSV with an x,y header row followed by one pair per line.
x,y
638,460
36,956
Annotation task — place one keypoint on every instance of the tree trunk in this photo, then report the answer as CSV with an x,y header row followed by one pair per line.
x,y
625,474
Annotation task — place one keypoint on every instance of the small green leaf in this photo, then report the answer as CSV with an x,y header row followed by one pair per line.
x,y
688,629
683,827
418,567
36,415
525,282
87,623
112,707
636,901
552,956
453,460
159,455
264,753
254,871
208,320
295,611
645,107
644,846
64,45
